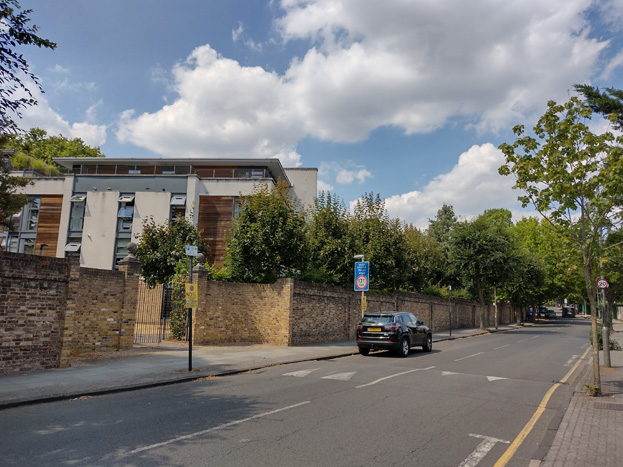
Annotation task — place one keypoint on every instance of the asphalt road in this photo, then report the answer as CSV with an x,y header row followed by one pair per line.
x,y
460,405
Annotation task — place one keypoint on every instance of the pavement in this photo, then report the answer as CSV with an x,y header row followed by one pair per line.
x,y
589,434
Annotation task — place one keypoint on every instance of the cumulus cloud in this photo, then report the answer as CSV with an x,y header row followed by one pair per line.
x,y
472,186
345,172
323,186
43,116
415,65
223,110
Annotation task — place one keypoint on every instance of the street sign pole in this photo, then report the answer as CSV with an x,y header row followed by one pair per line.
x,y
190,318
190,252
362,281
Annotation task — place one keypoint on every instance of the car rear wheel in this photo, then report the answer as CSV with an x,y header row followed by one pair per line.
x,y
403,350
364,351
428,346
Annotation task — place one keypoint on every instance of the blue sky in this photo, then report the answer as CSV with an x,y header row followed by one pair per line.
x,y
407,99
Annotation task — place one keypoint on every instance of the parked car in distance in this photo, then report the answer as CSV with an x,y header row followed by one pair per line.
x,y
568,312
550,314
392,330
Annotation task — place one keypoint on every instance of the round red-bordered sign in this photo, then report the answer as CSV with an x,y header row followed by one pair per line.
x,y
361,282
602,284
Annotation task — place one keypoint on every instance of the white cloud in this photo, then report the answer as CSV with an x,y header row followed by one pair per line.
x,y
472,186
345,172
43,116
345,176
223,110
323,186
413,65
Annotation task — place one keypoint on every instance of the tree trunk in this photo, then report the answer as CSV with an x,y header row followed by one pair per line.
x,y
591,292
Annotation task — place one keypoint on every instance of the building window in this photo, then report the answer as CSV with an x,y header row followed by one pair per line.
x,y
252,172
237,208
76,223
125,216
21,235
178,207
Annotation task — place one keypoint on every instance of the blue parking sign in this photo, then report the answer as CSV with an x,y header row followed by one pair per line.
x,y
362,276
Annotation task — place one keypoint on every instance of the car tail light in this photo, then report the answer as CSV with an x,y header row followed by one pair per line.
x,y
392,327
359,327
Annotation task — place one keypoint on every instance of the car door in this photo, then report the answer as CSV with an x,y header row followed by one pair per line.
x,y
411,326
419,330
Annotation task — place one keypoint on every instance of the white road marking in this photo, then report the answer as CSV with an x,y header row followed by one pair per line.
x,y
469,356
446,373
570,361
534,337
340,376
495,378
482,450
523,340
219,427
300,373
501,347
393,376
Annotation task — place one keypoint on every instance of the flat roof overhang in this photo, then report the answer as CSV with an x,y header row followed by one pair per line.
x,y
274,165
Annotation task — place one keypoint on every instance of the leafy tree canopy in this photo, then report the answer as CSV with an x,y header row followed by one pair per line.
x,y
36,149
609,103
161,249
15,74
269,237
331,242
440,227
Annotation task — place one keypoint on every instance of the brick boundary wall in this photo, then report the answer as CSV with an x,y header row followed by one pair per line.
x,y
51,308
291,312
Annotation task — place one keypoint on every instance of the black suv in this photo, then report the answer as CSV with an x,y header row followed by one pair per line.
x,y
393,330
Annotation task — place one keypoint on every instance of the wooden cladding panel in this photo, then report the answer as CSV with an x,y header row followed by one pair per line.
x,y
215,220
49,224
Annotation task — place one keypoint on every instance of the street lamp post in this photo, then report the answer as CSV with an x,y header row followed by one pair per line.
x,y
450,308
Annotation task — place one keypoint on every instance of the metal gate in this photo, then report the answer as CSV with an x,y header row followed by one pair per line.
x,y
153,313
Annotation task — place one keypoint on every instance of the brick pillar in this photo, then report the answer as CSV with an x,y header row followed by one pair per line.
x,y
71,307
131,267
200,313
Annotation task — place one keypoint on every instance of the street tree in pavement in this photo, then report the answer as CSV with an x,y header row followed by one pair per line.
x,y
573,178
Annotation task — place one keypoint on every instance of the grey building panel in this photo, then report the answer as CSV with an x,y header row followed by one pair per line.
x,y
130,184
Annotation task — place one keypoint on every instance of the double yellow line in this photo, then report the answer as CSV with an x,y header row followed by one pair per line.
x,y
512,449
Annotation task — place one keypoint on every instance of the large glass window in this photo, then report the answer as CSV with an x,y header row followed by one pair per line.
x,y
76,223
125,216
21,235
178,207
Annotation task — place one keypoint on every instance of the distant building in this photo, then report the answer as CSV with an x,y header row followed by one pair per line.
x,y
99,206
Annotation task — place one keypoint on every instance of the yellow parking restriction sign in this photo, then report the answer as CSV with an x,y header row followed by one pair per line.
x,y
191,295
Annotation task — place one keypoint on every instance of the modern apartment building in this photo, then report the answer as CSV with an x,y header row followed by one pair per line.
x,y
99,206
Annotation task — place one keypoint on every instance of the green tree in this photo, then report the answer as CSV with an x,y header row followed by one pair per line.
x,y
36,149
268,239
14,69
426,261
331,242
482,253
573,178
609,103
381,240
439,228
161,249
